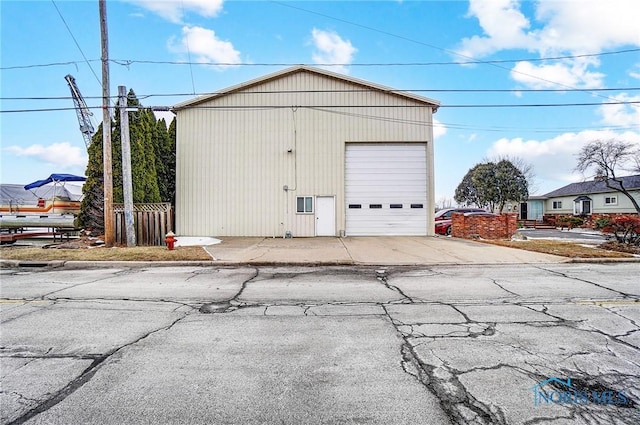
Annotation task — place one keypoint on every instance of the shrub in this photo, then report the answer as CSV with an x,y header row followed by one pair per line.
x,y
626,229
601,223
570,222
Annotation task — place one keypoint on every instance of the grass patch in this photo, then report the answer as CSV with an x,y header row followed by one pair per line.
x,y
561,248
139,253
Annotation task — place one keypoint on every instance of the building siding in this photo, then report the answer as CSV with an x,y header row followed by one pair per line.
x,y
623,206
232,163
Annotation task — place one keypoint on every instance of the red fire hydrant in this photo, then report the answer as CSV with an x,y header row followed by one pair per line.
x,y
170,240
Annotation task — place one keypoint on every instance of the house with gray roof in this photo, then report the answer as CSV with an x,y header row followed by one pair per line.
x,y
590,199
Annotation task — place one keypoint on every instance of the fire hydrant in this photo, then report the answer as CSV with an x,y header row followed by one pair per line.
x,y
170,240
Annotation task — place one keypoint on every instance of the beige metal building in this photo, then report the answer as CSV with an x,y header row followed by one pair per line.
x,y
305,152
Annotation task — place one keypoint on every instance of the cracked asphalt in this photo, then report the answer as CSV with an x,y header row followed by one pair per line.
x,y
321,345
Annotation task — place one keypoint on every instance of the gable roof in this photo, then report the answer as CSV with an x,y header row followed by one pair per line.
x,y
594,186
303,68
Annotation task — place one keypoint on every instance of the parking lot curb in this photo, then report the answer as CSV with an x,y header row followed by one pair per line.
x,y
605,260
75,264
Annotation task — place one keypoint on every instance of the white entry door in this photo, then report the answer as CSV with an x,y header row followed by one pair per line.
x,y
325,216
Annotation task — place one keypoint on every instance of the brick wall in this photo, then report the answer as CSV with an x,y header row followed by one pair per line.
x,y
485,227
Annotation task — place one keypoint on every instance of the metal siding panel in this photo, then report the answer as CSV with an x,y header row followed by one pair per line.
x,y
232,164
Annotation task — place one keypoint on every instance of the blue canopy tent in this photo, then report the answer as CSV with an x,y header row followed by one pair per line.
x,y
58,181
55,178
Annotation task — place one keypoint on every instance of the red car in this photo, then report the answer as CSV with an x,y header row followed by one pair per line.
x,y
443,218
443,227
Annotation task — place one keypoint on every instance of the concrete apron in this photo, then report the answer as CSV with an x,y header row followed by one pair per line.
x,y
382,250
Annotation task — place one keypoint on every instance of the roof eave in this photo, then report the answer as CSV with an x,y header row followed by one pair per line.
x,y
205,98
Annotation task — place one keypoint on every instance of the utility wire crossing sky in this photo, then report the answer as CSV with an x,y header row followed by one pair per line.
x,y
534,80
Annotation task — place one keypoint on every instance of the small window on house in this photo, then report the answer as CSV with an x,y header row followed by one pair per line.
x,y
304,204
416,205
395,206
582,207
375,206
355,206
611,200
557,205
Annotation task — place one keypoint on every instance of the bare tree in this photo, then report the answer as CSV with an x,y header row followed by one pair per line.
x,y
444,202
608,158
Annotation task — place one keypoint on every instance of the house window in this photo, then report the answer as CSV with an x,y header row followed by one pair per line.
x,y
304,204
611,200
557,205
582,207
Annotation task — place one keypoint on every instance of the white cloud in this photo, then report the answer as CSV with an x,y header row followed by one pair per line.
x,y
174,10
587,26
439,129
625,115
570,74
331,48
558,28
504,26
59,154
205,46
554,159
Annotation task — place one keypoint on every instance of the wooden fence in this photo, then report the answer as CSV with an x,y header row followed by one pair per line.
x,y
151,221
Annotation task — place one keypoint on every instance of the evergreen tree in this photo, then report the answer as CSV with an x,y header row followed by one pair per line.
x,y
143,163
152,149
171,163
491,185
160,138
165,160
92,207
116,159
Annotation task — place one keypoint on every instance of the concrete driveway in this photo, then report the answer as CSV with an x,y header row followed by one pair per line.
x,y
386,250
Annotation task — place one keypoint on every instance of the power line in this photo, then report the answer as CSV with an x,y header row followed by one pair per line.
x,y
129,62
193,83
396,91
470,127
75,41
450,126
451,52
274,107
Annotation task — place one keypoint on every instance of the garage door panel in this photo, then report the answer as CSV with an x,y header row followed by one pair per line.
x,y
400,225
386,175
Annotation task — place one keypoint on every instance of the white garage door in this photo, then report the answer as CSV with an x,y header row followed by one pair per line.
x,y
386,189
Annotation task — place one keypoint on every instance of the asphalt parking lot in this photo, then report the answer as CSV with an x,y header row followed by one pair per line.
x,y
435,345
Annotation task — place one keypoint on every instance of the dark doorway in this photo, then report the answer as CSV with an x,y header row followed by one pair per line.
x,y
523,211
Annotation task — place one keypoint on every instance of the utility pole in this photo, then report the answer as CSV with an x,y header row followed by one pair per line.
x,y
127,181
109,233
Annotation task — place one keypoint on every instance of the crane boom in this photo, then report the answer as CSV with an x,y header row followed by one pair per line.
x,y
82,111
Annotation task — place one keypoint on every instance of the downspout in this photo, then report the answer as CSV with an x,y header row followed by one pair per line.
x,y
286,188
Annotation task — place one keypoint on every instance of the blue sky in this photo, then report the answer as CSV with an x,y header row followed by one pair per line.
x,y
543,52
